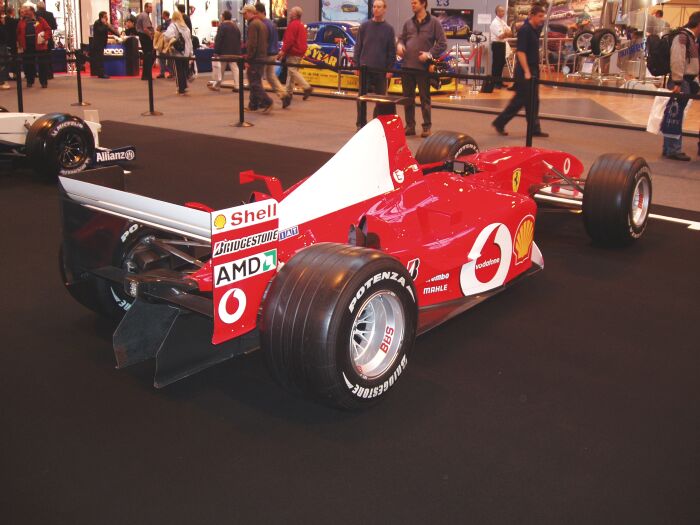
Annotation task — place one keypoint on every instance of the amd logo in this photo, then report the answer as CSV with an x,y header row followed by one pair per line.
x,y
241,269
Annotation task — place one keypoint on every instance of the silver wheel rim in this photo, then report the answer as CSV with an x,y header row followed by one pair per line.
x,y
640,202
377,334
583,43
607,44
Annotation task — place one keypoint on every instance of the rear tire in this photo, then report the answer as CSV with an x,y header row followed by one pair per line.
x,y
616,199
59,144
338,323
445,145
108,298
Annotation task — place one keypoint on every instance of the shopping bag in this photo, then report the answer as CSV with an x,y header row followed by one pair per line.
x,y
672,123
656,115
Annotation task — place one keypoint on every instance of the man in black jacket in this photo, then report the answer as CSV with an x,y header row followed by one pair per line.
x,y
227,42
100,32
41,12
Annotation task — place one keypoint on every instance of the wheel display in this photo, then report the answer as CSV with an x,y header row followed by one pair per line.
x,y
133,254
603,42
616,199
59,144
582,42
338,323
445,145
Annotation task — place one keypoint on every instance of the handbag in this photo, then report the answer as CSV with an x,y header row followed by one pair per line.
x,y
179,44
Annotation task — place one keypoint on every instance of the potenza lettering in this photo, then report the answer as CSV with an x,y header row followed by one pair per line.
x,y
236,245
394,276
234,271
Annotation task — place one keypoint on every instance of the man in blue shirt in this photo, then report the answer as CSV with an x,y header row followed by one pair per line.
x,y
375,48
526,69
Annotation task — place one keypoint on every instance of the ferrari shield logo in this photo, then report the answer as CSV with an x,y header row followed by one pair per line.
x,y
516,179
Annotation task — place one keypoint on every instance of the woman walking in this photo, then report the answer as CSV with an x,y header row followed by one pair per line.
x,y
179,41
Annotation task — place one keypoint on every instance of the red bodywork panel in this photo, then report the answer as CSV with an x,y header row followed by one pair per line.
x,y
459,235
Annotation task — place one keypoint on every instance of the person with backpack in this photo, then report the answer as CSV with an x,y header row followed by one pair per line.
x,y
684,69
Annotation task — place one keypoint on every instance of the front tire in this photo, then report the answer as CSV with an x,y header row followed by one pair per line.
x,y
445,145
338,324
59,144
616,199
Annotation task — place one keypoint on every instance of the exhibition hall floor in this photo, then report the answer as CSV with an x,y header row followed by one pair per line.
x,y
325,124
570,398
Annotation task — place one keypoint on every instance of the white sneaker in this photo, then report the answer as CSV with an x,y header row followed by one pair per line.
x,y
4,85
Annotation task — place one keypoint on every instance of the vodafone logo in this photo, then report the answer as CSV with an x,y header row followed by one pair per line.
x,y
231,317
489,260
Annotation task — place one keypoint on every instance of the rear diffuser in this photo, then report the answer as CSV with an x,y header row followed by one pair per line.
x,y
178,339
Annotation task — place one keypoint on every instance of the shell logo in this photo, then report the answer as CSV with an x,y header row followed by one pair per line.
x,y
524,236
219,222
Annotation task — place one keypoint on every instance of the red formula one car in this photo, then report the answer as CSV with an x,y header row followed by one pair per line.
x,y
334,277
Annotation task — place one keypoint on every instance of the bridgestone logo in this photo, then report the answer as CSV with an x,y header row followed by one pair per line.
x,y
370,393
393,276
110,156
241,269
226,247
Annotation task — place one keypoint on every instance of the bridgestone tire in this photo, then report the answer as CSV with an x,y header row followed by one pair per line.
x,y
109,299
445,145
313,324
582,42
616,199
601,39
59,144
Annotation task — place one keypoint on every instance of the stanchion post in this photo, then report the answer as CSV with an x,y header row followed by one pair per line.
x,y
531,112
18,77
362,106
241,98
151,104
78,67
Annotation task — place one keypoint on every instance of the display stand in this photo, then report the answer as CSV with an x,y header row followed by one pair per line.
x,y
455,64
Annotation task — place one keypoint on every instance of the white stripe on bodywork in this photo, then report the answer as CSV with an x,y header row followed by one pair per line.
x,y
165,215
358,172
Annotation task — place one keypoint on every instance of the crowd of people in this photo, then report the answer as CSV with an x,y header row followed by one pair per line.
x,y
31,37
421,40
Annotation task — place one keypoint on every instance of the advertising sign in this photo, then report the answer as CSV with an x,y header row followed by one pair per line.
x,y
344,10
455,22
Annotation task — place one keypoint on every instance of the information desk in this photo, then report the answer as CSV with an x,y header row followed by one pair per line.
x,y
122,60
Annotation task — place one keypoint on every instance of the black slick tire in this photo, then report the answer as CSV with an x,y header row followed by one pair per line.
x,y
59,144
445,145
107,298
309,320
616,199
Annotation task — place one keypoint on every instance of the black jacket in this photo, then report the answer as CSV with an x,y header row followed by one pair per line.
x,y
228,39
100,32
48,16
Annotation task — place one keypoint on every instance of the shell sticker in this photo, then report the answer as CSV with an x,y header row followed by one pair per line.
x,y
524,236
516,179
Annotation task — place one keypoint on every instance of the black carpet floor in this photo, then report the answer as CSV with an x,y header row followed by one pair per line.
x,y
571,398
